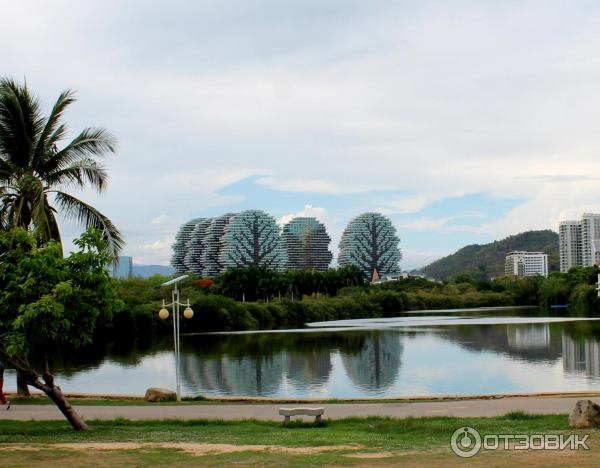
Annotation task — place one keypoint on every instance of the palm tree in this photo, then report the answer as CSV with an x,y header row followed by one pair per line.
x,y
35,171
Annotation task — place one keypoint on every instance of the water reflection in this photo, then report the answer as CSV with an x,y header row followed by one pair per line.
x,y
530,342
528,336
581,356
376,365
233,376
309,370
425,360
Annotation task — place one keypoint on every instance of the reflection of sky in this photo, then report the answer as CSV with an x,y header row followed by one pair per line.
x,y
428,363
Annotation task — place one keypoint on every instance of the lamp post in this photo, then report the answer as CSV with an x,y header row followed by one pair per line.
x,y
188,313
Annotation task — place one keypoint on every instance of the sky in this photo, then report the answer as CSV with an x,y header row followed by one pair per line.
x,y
464,121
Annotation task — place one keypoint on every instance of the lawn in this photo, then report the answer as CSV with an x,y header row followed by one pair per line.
x,y
376,441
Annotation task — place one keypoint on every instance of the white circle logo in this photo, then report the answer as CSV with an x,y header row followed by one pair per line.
x,y
465,442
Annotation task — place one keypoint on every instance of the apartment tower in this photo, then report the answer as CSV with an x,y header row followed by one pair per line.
x,y
579,242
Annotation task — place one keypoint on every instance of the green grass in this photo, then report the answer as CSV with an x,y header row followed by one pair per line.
x,y
385,433
409,441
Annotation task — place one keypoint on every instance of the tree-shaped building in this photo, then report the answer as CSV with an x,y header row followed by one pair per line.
x,y
211,255
370,242
252,239
196,246
180,246
306,245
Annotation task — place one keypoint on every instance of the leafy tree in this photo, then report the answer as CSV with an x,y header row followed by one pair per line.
x,y
583,300
48,303
554,291
35,169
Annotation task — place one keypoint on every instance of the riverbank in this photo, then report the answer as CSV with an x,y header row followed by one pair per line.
x,y
125,399
269,411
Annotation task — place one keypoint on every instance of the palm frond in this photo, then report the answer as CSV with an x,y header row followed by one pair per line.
x,y
86,170
89,144
53,129
20,122
6,171
89,217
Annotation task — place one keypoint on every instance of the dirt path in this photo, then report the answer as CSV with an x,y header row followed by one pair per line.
x,y
461,408
195,449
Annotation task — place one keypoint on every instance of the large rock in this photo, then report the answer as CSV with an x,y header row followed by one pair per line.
x,y
585,414
154,394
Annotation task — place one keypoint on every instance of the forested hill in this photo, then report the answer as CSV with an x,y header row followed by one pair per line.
x,y
487,260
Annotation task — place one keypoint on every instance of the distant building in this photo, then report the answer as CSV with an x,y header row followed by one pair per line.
x,y
579,242
306,244
521,263
569,244
122,268
590,239
370,243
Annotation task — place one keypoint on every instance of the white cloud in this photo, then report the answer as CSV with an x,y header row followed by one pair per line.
x,y
157,252
160,219
308,211
434,99
406,205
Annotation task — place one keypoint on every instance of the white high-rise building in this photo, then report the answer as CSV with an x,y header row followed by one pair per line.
x,y
590,238
579,242
569,245
520,263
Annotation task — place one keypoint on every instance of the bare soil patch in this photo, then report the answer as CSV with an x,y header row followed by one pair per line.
x,y
195,449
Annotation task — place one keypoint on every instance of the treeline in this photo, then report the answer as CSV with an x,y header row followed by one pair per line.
x,y
487,260
257,298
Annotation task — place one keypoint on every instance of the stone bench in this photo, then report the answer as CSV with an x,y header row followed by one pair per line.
x,y
306,411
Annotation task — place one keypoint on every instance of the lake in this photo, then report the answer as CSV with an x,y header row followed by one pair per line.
x,y
482,351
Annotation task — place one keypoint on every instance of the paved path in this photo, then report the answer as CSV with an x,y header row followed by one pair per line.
x,y
495,407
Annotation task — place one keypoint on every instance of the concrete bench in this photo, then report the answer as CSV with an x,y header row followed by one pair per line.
x,y
306,411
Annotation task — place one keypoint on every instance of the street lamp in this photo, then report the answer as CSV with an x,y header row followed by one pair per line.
x,y
188,313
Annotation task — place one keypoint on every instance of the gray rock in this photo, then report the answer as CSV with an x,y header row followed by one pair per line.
x,y
154,394
585,414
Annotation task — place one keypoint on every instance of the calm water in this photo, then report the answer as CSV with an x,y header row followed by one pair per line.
x,y
449,352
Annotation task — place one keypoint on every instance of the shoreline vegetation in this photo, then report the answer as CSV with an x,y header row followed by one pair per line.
x,y
262,299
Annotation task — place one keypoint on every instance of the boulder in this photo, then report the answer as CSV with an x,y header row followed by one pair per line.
x,y
154,394
585,414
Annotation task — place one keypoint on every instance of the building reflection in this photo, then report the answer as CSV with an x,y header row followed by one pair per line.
x,y
310,369
582,356
302,365
376,365
529,342
250,375
528,336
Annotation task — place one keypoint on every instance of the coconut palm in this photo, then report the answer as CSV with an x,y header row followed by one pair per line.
x,y
36,167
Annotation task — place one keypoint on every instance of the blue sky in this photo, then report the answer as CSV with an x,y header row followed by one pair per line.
x,y
464,121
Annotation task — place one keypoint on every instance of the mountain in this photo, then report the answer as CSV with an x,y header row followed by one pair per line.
x,y
487,260
146,271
